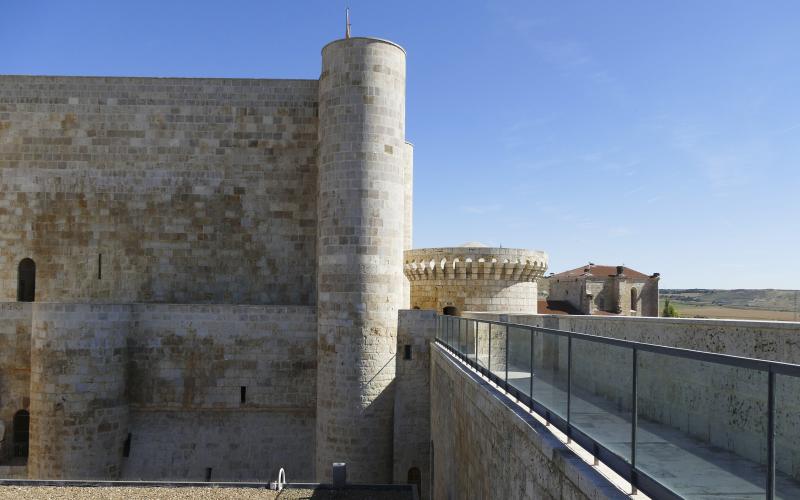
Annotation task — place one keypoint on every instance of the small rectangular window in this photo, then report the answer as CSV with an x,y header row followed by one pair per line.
x,y
99,266
126,448
407,352
243,394
208,474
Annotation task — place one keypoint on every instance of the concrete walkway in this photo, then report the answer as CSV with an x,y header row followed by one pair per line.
x,y
692,468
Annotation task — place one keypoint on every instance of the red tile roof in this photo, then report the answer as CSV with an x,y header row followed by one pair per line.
x,y
599,272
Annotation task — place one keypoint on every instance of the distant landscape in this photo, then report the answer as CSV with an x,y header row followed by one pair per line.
x,y
766,304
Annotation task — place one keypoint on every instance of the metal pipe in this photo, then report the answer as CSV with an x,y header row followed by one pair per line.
x,y
634,418
771,436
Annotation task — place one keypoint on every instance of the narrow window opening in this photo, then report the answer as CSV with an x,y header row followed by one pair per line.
x,y
415,478
99,266
26,280
208,474
407,352
634,299
21,424
126,448
243,394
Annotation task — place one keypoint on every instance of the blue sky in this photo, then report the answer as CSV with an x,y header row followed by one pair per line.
x,y
662,136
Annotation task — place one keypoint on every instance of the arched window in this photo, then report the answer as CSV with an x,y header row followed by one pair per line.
x,y
22,421
415,478
26,280
450,311
634,299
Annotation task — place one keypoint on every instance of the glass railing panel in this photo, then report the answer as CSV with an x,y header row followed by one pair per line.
x,y
482,348
497,356
550,372
470,347
452,331
702,426
519,359
601,394
787,437
464,336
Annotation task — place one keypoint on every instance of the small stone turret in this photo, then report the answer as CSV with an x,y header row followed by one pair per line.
x,y
474,278
364,168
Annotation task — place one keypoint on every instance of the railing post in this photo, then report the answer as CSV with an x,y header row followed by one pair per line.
x,y
634,418
475,332
531,369
771,436
569,385
489,354
506,358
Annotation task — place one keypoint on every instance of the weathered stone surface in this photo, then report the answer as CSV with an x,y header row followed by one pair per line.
x,y
485,446
362,212
474,278
192,190
412,427
79,408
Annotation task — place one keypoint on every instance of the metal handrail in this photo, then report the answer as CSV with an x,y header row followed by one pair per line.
x,y
626,468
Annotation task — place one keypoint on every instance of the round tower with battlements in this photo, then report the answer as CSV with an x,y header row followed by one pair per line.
x,y
364,168
474,277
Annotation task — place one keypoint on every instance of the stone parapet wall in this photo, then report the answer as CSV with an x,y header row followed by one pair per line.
x,y
170,190
485,446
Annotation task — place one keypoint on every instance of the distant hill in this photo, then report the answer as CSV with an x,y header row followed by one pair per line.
x,y
764,299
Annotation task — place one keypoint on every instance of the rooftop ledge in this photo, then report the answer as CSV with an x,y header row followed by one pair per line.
x,y
369,38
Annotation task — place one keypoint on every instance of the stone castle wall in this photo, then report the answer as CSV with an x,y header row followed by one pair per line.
x,y
170,377
412,427
188,366
15,368
79,408
361,235
181,190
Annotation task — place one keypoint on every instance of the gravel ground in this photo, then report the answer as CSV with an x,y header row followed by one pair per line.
x,y
342,495
156,493
113,493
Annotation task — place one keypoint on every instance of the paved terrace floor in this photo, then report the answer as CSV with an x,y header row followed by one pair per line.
x,y
692,468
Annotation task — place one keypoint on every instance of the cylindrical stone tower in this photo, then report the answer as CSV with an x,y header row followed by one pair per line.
x,y
474,277
79,409
362,172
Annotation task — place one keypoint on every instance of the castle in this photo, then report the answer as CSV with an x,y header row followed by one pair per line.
x,y
213,279
594,289
201,277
